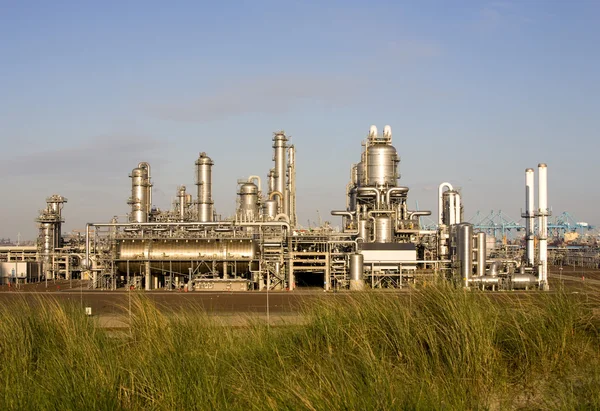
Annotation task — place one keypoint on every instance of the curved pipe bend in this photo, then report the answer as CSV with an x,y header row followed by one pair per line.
x,y
257,178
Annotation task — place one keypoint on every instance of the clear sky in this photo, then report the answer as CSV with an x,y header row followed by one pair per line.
x,y
475,93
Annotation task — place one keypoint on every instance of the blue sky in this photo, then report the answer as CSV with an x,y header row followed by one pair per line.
x,y
475,93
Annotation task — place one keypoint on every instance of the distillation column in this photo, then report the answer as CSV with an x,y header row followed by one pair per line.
x,y
204,182
280,146
50,225
141,194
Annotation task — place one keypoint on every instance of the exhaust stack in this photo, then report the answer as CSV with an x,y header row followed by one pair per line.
x,y
543,224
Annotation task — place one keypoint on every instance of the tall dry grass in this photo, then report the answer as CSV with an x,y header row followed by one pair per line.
x,y
436,348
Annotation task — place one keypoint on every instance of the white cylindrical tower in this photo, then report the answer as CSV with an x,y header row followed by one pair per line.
x,y
543,223
529,216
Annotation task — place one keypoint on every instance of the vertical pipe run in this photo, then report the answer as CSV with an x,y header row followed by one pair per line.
x,y
465,251
292,185
529,216
543,223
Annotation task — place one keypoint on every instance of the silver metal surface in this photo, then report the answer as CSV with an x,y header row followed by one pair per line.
x,y
280,184
383,229
382,165
464,232
481,253
269,209
139,195
204,182
248,210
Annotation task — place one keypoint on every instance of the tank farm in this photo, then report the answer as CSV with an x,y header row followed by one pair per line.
x,y
381,243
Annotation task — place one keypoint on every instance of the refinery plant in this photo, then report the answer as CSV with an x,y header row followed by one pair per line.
x,y
381,243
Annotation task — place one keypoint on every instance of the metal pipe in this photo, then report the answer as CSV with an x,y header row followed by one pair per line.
x,y
279,194
543,223
465,251
457,214
281,216
292,184
341,213
257,178
412,214
403,190
440,201
529,216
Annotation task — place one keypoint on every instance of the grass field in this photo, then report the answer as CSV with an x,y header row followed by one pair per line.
x,y
440,348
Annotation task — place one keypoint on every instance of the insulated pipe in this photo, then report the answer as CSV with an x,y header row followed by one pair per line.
x,y
403,190
529,216
412,214
257,178
440,201
543,223
349,214
284,217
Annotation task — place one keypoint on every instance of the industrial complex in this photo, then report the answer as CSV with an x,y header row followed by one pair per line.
x,y
382,243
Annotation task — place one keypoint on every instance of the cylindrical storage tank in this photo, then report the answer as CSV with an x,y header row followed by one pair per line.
x,y
357,282
383,229
139,194
363,231
270,209
465,251
523,281
204,182
182,254
248,201
382,165
481,254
